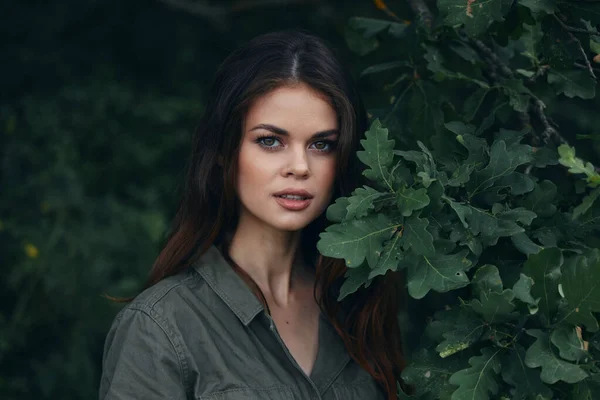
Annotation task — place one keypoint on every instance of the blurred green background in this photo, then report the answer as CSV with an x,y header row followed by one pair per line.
x,y
99,99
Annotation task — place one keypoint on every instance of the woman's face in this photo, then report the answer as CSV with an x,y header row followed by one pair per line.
x,y
287,158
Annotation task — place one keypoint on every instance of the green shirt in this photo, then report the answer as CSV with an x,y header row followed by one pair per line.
x,y
203,334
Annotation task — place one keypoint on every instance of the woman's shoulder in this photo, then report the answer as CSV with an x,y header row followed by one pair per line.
x,y
165,297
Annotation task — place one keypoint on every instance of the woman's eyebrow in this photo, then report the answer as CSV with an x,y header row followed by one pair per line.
x,y
283,132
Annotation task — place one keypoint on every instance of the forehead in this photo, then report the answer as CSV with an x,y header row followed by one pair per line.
x,y
297,108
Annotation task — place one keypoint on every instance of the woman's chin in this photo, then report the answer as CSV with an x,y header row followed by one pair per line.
x,y
292,224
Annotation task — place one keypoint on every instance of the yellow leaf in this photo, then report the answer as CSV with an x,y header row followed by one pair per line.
x,y
31,251
380,4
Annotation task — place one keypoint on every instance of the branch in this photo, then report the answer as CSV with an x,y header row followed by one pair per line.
x,y
541,71
582,66
549,131
579,46
572,29
493,57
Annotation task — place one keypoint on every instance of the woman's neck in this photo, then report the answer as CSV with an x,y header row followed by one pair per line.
x,y
272,259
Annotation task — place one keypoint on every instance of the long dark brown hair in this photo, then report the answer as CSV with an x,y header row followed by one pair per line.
x,y
208,211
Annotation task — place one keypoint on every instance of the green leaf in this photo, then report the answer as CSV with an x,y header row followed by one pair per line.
x,y
577,166
361,201
429,374
488,121
522,291
461,175
524,244
371,26
595,46
492,226
473,103
441,273
424,111
544,269
455,329
337,211
531,38
409,200
486,279
509,220
390,258
435,62
586,203
495,307
573,83
358,43
587,389
355,278
460,128
518,94
478,381
383,67
569,344
417,237
461,210
377,154
517,182
481,221
580,282
476,16
544,156
541,199
554,369
538,6
503,162
525,381
356,240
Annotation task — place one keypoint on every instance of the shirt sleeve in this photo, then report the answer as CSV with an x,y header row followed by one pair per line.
x,y
141,360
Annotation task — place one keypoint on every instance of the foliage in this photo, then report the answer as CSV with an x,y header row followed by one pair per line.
x,y
478,192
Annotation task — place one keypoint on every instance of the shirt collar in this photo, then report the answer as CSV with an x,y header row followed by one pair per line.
x,y
231,288
228,285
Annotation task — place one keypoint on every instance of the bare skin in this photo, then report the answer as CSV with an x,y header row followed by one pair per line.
x,y
266,241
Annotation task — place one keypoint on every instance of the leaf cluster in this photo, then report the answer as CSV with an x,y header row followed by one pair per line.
x,y
478,193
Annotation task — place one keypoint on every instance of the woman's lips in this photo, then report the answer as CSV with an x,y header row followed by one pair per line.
x,y
293,204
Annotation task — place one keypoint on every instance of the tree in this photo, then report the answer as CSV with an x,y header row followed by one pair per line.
x,y
483,114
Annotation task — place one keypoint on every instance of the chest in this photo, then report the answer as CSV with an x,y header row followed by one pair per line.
x,y
299,330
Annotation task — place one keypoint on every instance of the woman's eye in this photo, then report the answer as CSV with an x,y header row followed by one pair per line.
x,y
268,141
323,145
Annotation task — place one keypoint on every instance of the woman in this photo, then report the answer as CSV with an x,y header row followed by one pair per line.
x,y
239,304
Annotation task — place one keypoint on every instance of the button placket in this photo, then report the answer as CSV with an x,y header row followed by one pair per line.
x,y
273,328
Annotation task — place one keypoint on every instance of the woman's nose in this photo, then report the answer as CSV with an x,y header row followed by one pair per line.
x,y
298,164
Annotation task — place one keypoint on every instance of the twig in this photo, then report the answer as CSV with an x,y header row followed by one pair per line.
x,y
582,66
493,57
579,46
541,71
549,131
572,29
